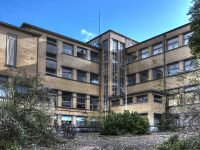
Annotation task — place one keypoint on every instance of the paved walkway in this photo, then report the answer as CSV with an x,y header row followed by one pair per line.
x,y
88,141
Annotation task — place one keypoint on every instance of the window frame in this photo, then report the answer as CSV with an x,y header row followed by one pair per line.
x,y
155,74
172,43
66,68
140,96
144,55
14,62
147,79
168,71
157,49
66,52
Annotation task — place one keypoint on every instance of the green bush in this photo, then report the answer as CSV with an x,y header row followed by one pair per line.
x,y
124,123
172,144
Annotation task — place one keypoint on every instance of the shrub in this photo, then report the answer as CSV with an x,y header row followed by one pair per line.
x,y
25,113
172,144
124,123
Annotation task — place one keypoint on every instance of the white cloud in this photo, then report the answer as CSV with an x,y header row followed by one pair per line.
x,y
87,35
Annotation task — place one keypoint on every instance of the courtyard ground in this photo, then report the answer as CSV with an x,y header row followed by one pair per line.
x,y
94,141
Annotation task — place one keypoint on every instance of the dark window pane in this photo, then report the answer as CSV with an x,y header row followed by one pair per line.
x,y
94,78
67,73
144,76
131,79
81,52
94,56
157,73
81,75
142,99
81,99
173,69
158,98
67,48
67,99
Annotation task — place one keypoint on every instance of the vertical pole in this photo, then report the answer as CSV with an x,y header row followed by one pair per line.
x,y
125,99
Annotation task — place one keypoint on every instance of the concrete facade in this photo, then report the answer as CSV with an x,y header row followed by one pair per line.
x,y
92,77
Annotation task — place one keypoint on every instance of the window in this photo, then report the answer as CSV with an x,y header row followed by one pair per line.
x,y
172,43
51,46
65,118
115,102
157,119
81,75
157,73
67,73
173,69
94,56
51,66
131,57
80,121
157,98
190,65
81,52
67,99
142,99
115,46
144,76
186,37
94,78
3,92
157,49
144,53
11,51
51,51
129,100
81,98
131,79
67,48
94,103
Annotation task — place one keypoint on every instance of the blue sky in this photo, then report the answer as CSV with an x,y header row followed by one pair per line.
x,y
137,19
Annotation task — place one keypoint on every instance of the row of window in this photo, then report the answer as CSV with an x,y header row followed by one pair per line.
x,y
158,48
67,101
158,72
139,99
69,49
67,73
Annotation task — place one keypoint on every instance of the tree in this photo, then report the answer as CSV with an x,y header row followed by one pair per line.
x,y
25,112
194,42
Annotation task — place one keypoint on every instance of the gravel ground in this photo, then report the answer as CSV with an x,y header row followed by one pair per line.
x,y
94,141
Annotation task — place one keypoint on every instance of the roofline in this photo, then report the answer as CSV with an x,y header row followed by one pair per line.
x,y
113,32
19,29
160,35
24,24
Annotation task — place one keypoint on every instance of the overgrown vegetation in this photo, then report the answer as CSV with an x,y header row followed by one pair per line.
x,y
25,113
124,123
174,143
194,42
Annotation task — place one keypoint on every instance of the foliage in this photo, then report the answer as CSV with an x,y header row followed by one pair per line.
x,y
174,143
124,123
194,42
25,112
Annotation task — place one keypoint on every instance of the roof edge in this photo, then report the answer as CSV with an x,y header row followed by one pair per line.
x,y
113,32
24,24
19,29
160,34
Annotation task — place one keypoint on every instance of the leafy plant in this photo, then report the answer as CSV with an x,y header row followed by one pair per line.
x,y
25,112
124,123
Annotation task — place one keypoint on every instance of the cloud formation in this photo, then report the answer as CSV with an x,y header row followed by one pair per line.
x,y
87,35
